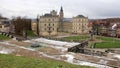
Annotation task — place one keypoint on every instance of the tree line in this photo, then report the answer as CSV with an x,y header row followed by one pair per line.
x,y
21,25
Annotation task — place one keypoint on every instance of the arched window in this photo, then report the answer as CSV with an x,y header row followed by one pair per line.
x,y
45,24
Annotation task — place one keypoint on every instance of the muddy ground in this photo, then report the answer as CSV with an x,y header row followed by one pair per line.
x,y
56,53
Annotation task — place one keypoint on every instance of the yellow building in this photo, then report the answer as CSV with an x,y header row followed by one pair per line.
x,y
80,24
34,26
5,26
51,23
67,25
48,24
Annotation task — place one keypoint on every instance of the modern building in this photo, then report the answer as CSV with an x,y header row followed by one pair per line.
x,y
51,23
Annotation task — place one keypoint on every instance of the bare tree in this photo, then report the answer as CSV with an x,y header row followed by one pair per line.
x,y
21,25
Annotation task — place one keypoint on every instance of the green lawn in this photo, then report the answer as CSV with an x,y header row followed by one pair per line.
x,y
107,45
30,34
107,42
107,39
3,37
10,61
76,38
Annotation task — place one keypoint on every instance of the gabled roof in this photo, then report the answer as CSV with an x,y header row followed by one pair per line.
x,y
3,18
50,15
81,16
5,22
61,10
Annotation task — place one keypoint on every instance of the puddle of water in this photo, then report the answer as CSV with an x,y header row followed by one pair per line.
x,y
69,58
102,61
6,51
92,64
117,56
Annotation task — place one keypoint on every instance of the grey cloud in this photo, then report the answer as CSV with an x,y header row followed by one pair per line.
x,y
90,8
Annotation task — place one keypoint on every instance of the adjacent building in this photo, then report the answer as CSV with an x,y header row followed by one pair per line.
x,y
66,25
79,24
4,25
51,23
108,27
34,26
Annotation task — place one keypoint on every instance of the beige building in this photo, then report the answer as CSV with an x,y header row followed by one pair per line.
x,y
67,25
79,24
4,26
50,24
34,26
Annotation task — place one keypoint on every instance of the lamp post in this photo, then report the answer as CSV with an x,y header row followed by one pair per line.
x,y
24,33
91,32
38,25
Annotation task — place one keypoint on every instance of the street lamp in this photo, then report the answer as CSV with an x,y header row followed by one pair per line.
x,y
38,25
91,32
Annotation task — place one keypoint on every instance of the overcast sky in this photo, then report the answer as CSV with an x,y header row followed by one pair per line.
x,y
91,8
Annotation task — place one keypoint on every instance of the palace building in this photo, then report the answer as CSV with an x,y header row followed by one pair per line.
x,y
51,23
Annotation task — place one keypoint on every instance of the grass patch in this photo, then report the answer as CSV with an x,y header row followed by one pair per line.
x,y
76,38
3,37
107,45
107,39
30,33
107,42
10,61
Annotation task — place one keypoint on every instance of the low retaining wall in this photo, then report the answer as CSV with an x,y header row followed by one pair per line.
x,y
82,48
7,34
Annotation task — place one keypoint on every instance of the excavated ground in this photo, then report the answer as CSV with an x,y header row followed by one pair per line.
x,y
57,50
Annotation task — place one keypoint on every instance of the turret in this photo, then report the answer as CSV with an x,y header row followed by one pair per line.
x,y
61,13
53,12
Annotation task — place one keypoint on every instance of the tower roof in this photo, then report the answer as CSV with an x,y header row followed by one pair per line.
x,y
61,10
81,16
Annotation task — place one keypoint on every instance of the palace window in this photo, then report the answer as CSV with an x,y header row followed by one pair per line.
x,y
49,28
48,19
81,20
0,26
45,24
45,29
49,24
